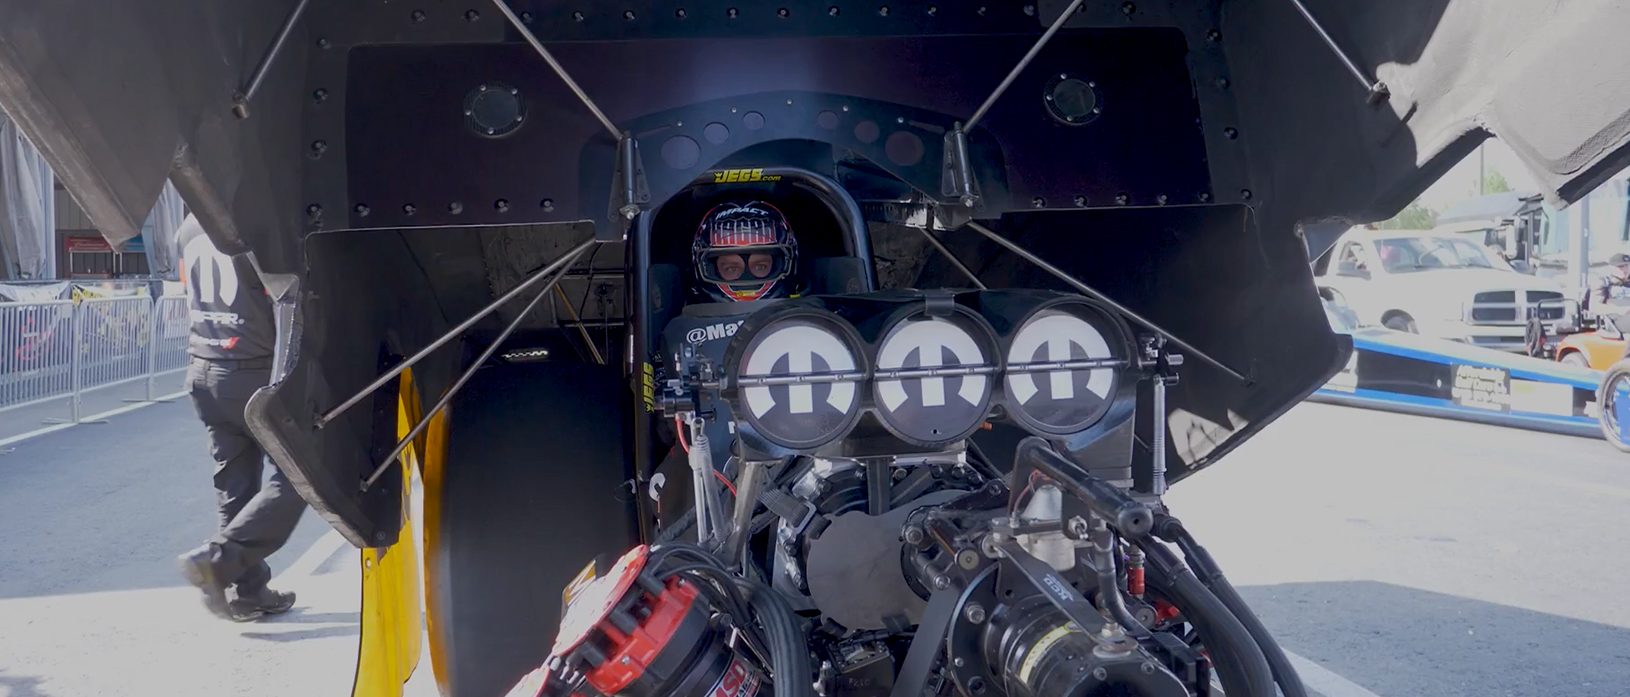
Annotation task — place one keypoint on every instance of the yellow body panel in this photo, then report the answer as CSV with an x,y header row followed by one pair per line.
x,y
392,616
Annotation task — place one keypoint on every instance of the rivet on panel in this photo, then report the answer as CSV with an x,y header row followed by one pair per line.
x,y
526,17
1214,35
883,11
1222,83
1122,198
981,11
628,15
314,210
1245,194
362,209
471,15
933,10
783,13
732,13
1205,196
1129,8
319,95
501,205
548,204
833,10
680,13
1038,202
1231,132
409,209
1030,10
1160,199
324,43
1080,200
418,16
577,16
455,208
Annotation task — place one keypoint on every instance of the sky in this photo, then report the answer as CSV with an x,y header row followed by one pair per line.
x,y
1461,181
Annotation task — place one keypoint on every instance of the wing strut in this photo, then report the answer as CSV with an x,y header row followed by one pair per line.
x,y
1088,291
424,421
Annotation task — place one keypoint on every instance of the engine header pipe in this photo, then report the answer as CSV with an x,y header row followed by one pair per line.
x,y
1131,518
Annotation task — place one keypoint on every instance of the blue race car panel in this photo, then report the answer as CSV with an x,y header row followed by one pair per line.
x,y
1413,374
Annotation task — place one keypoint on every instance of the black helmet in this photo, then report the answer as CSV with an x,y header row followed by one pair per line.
x,y
744,251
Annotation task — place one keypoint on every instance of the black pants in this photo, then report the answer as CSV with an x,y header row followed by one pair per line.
x,y
254,521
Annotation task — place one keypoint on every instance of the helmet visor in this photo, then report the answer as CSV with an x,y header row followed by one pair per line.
x,y
744,265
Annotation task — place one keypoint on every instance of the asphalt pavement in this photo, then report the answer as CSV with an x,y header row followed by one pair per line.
x,y
1392,555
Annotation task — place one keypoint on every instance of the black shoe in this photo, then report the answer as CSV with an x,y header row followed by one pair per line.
x,y
198,566
253,606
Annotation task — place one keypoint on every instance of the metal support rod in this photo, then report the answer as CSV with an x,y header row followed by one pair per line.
x,y
76,325
469,372
1100,297
240,100
1023,63
952,258
585,330
544,273
1375,87
748,485
152,348
560,71
1158,480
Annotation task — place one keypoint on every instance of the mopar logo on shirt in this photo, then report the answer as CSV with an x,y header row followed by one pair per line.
x,y
713,331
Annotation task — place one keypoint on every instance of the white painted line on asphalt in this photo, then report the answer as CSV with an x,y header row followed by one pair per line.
x,y
33,433
314,556
1327,683
94,417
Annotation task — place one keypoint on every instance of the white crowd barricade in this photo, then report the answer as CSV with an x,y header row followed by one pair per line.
x,y
64,349
38,360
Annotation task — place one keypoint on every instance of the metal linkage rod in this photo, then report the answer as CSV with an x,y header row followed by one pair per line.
x,y
560,71
453,333
1100,297
1023,63
469,372
240,100
946,251
1376,88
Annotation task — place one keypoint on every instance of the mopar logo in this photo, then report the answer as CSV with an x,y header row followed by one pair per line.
x,y
799,350
714,331
1058,338
930,343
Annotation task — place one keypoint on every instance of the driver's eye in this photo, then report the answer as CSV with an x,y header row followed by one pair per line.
x,y
730,267
760,265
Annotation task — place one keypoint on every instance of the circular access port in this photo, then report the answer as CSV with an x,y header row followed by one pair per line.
x,y
493,110
1071,100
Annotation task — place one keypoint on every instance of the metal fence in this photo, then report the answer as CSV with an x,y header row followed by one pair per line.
x,y
64,349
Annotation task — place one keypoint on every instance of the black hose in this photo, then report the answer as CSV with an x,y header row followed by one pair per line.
x,y
1109,591
1243,668
1210,574
789,652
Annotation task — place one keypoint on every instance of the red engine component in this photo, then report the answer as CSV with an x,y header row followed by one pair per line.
x,y
631,633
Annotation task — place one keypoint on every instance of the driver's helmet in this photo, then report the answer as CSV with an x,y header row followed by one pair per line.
x,y
744,251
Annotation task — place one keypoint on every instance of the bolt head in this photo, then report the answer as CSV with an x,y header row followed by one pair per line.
x,y
914,535
942,582
967,559
975,613
1100,674
1148,668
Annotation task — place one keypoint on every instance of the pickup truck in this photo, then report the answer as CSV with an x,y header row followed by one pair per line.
x,y
1435,284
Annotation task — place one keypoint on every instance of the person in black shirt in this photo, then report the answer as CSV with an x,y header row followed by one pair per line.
x,y
231,344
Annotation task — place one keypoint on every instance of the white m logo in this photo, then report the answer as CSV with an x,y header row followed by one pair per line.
x,y
216,283
800,345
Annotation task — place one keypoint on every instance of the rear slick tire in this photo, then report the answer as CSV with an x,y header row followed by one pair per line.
x,y
533,488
